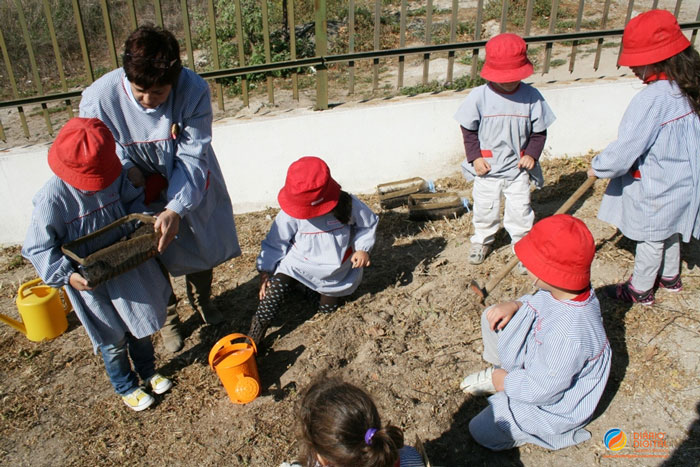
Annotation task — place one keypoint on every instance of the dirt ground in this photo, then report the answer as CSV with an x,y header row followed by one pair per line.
x,y
408,335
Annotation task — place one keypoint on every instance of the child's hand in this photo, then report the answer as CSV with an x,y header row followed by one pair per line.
x,y
78,282
499,315
168,223
526,162
498,378
591,172
264,282
136,177
481,167
360,259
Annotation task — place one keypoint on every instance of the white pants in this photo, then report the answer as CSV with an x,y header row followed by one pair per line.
x,y
653,259
518,216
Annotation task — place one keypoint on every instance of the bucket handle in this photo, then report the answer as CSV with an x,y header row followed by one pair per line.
x,y
27,286
229,340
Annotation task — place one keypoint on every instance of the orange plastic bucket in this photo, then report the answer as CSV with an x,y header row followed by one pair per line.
x,y
235,365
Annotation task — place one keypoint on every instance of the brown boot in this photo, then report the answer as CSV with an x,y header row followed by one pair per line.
x,y
199,295
170,332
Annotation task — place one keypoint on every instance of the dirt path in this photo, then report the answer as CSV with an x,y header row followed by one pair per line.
x,y
408,335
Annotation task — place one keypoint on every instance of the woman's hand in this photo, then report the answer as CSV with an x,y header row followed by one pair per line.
x,y
264,282
359,259
136,177
526,162
168,224
481,167
78,282
499,315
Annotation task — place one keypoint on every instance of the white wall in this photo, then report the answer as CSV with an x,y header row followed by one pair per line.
x,y
364,145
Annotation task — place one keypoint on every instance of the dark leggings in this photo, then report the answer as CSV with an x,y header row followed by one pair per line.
x,y
276,293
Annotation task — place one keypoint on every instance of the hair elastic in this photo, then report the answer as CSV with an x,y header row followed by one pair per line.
x,y
369,434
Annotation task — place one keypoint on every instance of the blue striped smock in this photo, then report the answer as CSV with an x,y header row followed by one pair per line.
x,y
173,140
654,167
135,301
317,251
557,357
505,123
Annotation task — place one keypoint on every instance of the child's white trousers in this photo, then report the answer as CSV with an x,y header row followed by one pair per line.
x,y
654,259
518,216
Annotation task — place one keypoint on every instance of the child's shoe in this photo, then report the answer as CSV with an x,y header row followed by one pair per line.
x,y
522,270
138,399
160,384
626,293
672,284
479,384
478,253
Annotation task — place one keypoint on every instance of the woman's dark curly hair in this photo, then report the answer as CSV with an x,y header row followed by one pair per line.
x,y
684,69
152,57
335,417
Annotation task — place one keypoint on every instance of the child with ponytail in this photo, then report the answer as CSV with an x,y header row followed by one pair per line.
x,y
341,427
654,196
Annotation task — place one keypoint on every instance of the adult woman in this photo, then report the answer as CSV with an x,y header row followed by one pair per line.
x,y
161,117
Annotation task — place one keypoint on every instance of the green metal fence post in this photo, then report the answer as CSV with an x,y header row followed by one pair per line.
x,y
241,51
108,33
293,47
266,45
321,51
32,62
215,52
57,54
188,34
83,42
13,84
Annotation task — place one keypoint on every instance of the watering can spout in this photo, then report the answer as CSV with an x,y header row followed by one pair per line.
x,y
14,323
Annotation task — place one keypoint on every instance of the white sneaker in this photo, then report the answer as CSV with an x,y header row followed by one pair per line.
x,y
479,384
522,270
138,399
160,384
478,252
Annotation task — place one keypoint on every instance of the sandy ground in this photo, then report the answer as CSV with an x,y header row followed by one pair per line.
x,y
408,335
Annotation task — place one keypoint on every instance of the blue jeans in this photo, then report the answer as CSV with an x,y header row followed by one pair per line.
x,y
116,358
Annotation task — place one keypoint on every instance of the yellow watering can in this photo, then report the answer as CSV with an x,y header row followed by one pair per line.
x,y
42,311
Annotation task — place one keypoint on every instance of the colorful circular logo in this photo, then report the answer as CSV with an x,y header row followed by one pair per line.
x,y
615,439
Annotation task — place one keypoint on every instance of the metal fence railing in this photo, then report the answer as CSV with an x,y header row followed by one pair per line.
x,y
237,43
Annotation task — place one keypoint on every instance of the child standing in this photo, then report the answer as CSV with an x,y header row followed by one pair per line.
x,y
119,315
504,126
341,427
549,350
654,193
321,238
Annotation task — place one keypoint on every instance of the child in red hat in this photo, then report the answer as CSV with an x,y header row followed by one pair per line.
x,y
654,193
89,191
550,355
504,125
321,238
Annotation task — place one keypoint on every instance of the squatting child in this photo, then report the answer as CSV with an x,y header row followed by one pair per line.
x,y
654,193
89,191
321,238
550,355
504,126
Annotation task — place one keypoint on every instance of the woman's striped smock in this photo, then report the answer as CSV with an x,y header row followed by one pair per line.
x,y
654,167
134,301
317,251
173,140
558,361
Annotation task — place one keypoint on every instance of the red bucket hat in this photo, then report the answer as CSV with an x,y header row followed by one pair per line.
x,y
650,38
506,59
309,191
559,250
84,155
